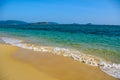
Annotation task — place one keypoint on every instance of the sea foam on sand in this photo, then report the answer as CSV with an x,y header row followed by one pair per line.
x,y
111,69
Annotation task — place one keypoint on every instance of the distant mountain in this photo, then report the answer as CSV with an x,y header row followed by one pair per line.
x,y
44,23
12,22
89,24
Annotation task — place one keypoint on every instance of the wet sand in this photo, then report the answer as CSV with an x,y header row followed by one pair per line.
x,y
22,64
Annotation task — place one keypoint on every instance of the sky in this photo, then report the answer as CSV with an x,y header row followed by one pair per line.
x,y
62,11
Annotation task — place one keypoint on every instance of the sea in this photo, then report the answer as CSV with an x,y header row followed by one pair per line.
x,y
95,45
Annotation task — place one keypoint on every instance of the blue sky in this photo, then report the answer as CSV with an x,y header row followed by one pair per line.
x,y
62,11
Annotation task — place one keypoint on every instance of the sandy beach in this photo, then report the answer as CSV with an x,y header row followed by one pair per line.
x,y
21,64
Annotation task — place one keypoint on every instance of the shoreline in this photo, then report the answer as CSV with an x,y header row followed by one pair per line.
x,y
111,69
50,66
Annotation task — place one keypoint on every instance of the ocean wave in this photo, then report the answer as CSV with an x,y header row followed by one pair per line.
x,y
111,69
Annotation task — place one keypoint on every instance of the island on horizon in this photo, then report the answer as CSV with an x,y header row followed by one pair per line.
x,y
19,22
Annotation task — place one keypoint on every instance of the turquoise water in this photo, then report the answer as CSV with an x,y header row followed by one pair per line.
x,y
101,41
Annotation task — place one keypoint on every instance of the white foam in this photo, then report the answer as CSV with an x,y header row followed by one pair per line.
x,y
111,69
11,40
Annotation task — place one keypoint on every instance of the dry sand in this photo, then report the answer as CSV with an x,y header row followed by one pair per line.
x,y
22,64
